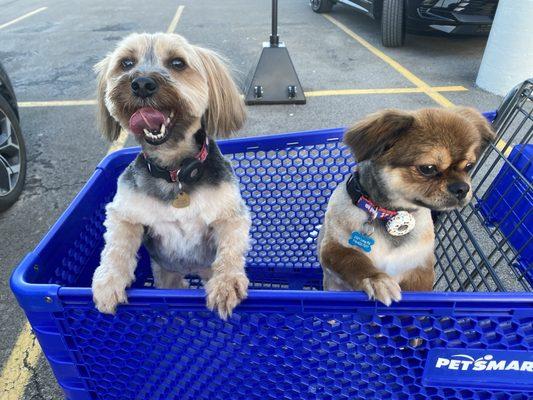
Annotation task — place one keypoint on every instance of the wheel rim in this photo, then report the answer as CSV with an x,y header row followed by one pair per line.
x,y
9,156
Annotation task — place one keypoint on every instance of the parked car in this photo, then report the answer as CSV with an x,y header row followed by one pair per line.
x,y
472,17
12,148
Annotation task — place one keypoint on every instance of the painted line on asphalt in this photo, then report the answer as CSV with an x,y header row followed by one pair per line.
x,y
352,92
427,89
174,23
19,365
119,143
14,21
56,103
312,93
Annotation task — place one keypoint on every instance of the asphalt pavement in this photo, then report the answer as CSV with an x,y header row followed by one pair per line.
x,y
50,55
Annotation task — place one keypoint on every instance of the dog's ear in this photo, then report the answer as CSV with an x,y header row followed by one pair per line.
x,y
107,125
484,128
226,112
378,132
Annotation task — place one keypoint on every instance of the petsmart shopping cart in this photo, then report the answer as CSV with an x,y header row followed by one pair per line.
x,y
471,339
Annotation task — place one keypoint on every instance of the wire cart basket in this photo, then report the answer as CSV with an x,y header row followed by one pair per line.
x,y
470,339
488,245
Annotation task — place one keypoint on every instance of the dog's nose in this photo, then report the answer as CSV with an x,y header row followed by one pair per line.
x,y
144,86
459,189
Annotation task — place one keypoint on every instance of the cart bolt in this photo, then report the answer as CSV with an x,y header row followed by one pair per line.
x,y
48,299
36,267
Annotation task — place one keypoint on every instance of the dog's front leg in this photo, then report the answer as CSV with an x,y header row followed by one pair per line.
x,y
359,272
229,284
117,263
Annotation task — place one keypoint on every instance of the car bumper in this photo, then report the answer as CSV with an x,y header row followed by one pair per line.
x,y
454,17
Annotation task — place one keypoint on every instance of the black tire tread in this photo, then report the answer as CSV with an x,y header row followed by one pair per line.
x,y
392,23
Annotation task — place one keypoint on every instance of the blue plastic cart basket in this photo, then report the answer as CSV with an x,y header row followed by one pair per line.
x,y
472,339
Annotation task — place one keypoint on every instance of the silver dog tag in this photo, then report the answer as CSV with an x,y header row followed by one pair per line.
x,y
401,224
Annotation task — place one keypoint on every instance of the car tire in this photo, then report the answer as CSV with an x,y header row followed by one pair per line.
x,y
393,23
12,153
321,6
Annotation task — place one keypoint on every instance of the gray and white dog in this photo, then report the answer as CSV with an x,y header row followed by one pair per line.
x,y
180,196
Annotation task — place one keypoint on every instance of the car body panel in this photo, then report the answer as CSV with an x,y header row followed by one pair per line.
x,y
451,16
6,90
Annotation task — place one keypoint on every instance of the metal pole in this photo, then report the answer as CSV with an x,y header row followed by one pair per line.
x,y
274,38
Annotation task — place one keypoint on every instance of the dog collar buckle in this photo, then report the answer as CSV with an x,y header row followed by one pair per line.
x,y
173,175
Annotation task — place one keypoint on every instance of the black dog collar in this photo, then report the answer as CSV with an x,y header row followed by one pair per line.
x,y
398,223
361,199
190,170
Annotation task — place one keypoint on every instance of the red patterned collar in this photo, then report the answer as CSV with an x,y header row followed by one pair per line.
x,y
361,200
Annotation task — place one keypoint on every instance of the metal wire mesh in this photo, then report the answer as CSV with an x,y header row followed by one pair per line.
x,y
487,246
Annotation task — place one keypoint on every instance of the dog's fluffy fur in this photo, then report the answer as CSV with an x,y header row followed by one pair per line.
x,y
209,237
390,146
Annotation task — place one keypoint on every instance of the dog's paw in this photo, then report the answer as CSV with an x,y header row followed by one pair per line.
x,y
225,292
383,288
108,292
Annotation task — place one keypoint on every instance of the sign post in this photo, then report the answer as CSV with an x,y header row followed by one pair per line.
x,y
274,79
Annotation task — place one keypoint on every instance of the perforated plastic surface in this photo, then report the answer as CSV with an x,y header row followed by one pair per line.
x,y
192,356
280,344
287,192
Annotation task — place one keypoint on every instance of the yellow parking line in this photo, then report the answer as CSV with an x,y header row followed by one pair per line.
x,y
22,360
501,145
57,103
14,21
437,97
449,89
350,92
312,93
119,143
175,20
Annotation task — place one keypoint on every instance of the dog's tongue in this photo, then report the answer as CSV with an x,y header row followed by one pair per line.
x,y
146,118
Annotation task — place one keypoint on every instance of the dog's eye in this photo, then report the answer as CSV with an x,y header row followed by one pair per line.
x,y
178,64
428,170
468,167
127,64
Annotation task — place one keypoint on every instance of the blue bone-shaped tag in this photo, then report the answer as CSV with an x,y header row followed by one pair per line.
x,y
362,241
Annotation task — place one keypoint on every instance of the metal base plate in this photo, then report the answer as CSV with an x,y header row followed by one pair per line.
x,y
274,78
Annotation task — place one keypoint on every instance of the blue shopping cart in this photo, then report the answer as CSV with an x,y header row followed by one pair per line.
x,y
470,339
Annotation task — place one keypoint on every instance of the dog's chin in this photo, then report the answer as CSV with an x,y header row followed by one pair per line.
x,y
447,206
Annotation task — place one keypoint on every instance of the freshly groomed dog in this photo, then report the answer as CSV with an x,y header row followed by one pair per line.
x,y
378,233
179,197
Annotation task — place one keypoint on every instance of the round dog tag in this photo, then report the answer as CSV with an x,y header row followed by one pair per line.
x,y
182,200
401,224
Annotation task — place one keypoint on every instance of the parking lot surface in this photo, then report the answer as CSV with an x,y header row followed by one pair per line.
x,y
50,52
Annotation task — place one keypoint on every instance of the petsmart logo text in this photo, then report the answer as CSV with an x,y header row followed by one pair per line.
x,y
464,362
479,368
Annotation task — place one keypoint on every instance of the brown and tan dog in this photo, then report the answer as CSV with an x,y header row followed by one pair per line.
x,y
378,233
